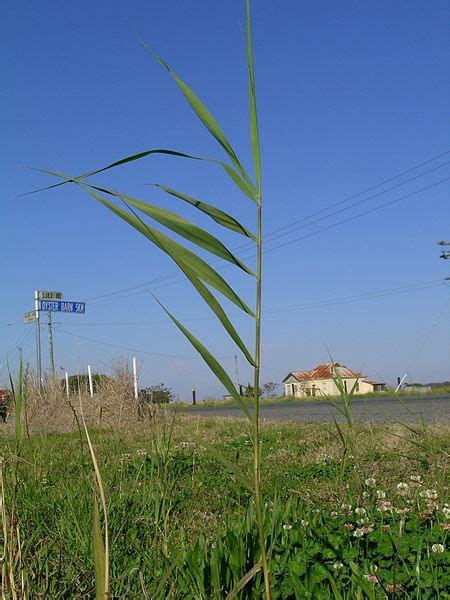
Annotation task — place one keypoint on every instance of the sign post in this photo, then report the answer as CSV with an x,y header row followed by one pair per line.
x,y
38,339
49,302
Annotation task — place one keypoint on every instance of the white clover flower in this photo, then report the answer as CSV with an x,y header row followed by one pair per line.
x,y
304,523
337,566
333,514
380,494
385,506
286,527
415,478
365,494
371,578
446,510
431,494
402,488
370,482
437,548
358,533
359,510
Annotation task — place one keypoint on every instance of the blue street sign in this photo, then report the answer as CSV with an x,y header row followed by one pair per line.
x,y
62,306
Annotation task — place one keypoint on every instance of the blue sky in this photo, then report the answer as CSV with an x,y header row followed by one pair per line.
x,y
350,94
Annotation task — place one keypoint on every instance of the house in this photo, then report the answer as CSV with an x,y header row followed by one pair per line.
x,y
320,382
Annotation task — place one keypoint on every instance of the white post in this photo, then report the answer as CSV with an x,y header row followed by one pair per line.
x,y
91,389
400,384
67,384
135,379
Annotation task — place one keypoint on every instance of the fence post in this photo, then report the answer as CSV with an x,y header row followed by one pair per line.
x,y
135,379
91,388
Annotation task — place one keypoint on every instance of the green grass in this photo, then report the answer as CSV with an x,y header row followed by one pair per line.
x,y
180,521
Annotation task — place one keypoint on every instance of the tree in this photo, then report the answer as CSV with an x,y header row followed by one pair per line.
x,y
249,391
269,389
156,394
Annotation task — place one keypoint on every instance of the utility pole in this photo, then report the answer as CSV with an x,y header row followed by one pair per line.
x,y
445,253
38,339
50,343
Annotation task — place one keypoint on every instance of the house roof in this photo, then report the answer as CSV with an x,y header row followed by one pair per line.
x,y
325,372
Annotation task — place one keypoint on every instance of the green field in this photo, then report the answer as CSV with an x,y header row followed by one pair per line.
x,y
346,520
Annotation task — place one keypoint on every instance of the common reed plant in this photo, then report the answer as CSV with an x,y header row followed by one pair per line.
x,y
199,272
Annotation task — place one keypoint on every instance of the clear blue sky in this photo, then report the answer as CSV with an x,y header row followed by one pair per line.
x,y
350,94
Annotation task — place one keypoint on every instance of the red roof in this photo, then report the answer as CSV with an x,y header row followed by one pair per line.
x,y
326,372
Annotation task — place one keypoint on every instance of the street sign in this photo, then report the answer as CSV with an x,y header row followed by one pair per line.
x,y
62,306
50,295
29,317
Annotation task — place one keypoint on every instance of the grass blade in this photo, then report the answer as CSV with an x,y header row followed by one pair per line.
x,y
176,251
181,226
206,118
99,553
219,312
254,130
243,582
229,170
215,213
212,363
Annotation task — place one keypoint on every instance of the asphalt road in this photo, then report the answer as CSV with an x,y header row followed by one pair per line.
x,y
433,408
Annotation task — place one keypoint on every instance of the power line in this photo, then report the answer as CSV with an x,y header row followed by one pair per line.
x,y
247,245
138,351
336,212
362,214
295,240
288,308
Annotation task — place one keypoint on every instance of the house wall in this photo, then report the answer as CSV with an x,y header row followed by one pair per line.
x,y
322,387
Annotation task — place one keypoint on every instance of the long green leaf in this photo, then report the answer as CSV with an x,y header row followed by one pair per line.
x,y
99,553
179,225
219,312
244,580
254,130
176,251
205,117
209,299
215,213
212,363
229,170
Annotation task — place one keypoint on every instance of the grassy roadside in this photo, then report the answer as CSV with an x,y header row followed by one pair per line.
x,y
174,506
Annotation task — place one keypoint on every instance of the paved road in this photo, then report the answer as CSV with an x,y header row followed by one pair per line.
x,y
433,408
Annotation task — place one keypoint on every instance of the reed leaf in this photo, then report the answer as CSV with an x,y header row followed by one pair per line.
x,y
243,582
212,363
176,251
181,226
206,118
254,130
215,213
219,312
99,553
228,168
